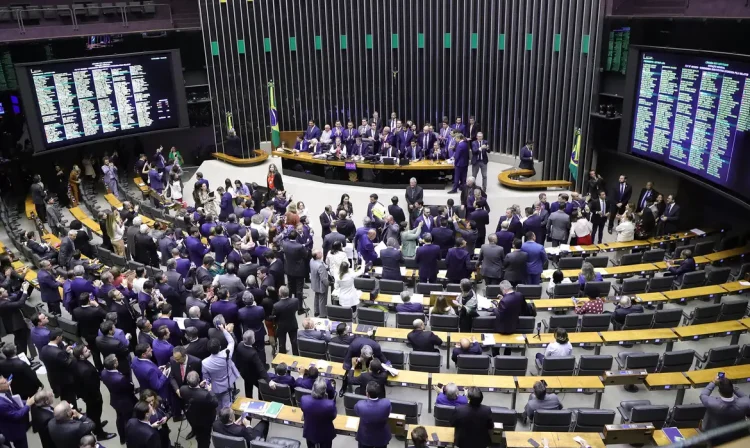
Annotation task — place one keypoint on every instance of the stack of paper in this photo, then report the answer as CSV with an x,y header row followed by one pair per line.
x,y
253,407
180,322
483,303
352,423
553,250
396,298
380,247
698,232
488,339
565,247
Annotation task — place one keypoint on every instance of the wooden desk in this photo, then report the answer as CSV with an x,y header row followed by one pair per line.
x,y
651,297
80,215
699,260
565,439
731,328
488,383
113,201
584,339
409,378
574,250
737,374
735,287
567,273
260,156
580,384
682,295
721,256
668,381
556,304
652,336
442,275
444,434
142,186
30,208
420,165
393,299
627,245
526,383
745,322
337,370
510,178
685,235
660,439
628,270
501,340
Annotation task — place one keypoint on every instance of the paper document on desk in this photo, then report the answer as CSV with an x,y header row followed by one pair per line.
x,y
477,250
24,358
565,247
352,423
579,248
322,365
552,250
488,339
698,232
379,247
743,283
396,298
378,270
417,298
253,407
601,271
180,322
483,303
391,371
273,410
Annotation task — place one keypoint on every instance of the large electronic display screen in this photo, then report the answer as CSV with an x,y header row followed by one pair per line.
x,y
692,112
72,102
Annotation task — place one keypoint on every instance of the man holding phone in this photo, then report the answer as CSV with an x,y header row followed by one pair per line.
x,y
729,407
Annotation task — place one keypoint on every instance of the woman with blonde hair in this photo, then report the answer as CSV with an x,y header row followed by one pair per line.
x,y
74,184
116,230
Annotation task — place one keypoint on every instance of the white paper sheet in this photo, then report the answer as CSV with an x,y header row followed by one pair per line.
x,y
352,423
380,247
489,339
180,322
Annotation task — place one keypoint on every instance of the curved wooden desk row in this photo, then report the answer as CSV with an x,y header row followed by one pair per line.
x,y
420,165
260,157
30,207
510,179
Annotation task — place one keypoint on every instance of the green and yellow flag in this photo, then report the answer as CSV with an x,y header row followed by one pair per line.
x,y
275,135
575,153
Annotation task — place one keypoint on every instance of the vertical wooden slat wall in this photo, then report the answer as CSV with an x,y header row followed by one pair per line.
x,y
526,73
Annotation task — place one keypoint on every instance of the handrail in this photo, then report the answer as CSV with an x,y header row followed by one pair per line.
x,y
123,10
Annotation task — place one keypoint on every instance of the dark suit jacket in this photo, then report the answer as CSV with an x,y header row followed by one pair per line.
x,y
87,381
444,238
249,364
175,377
652,194
58,363
141,435
201,406
25,381
507,312
514,266
199,325
48,287
198,348
40,418
687,265
391,259
346,227
295,258
145,250
413,195
235,430
458,262
673,218
424,341
286,313
109,345
68,434
325,222
319,415
595,208
89,318
427,260
65,254
625,197
121,391
472,426
374,429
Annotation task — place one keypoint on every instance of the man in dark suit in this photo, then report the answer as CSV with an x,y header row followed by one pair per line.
x,y
671,216
249,363
537,258
49,287
413,193
374,429
426,140
58,361
422,340
490,261
166,244
346,226
622,197
505,237
731,406
535,223
14,417
89,389
121,393
514,223
594,184
600,212
201,408
126,315
165,318
527,157
687,265
68,426
332,236
107,345
285,312
176,283
508,309
326,218
67,248
145,248
391,258
196,346
140,432
443,237
247,268
90,316
41,414
427,260
226,425
648,194
181,364
479,157
514,265
473,423
396,211
460,164
194,320
25,381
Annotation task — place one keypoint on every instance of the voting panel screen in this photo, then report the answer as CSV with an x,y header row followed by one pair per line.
x,y
692,112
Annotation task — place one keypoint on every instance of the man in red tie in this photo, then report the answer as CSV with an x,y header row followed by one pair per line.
x,y
181,364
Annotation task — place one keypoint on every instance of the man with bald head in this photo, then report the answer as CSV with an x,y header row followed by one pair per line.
x,y
68,426
422,340
366,246
309,332
466,347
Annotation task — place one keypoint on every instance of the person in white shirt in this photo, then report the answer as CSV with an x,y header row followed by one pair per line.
x,y
580,230
557,279
561,347
326,136
334,259
348,295
625,232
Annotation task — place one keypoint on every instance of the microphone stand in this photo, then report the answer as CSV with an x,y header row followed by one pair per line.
x,y
179,428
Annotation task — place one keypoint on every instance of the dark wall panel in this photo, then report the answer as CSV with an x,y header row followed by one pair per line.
x,y
524,68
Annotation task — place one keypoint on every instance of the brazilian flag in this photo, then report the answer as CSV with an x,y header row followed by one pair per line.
x,y
575,154
275,135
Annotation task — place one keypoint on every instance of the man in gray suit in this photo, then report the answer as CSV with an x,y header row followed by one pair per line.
x,y
413,193
295,267
67,247
54,217
540,399
331,238
514,264
130,235
491,258
558,226
730,407
319,280
230,281
308,331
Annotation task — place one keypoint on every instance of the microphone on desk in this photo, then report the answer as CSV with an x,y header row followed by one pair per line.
x,y
538,330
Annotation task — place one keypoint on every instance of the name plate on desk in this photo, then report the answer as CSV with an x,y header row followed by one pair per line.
x,y
633,433
623,377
